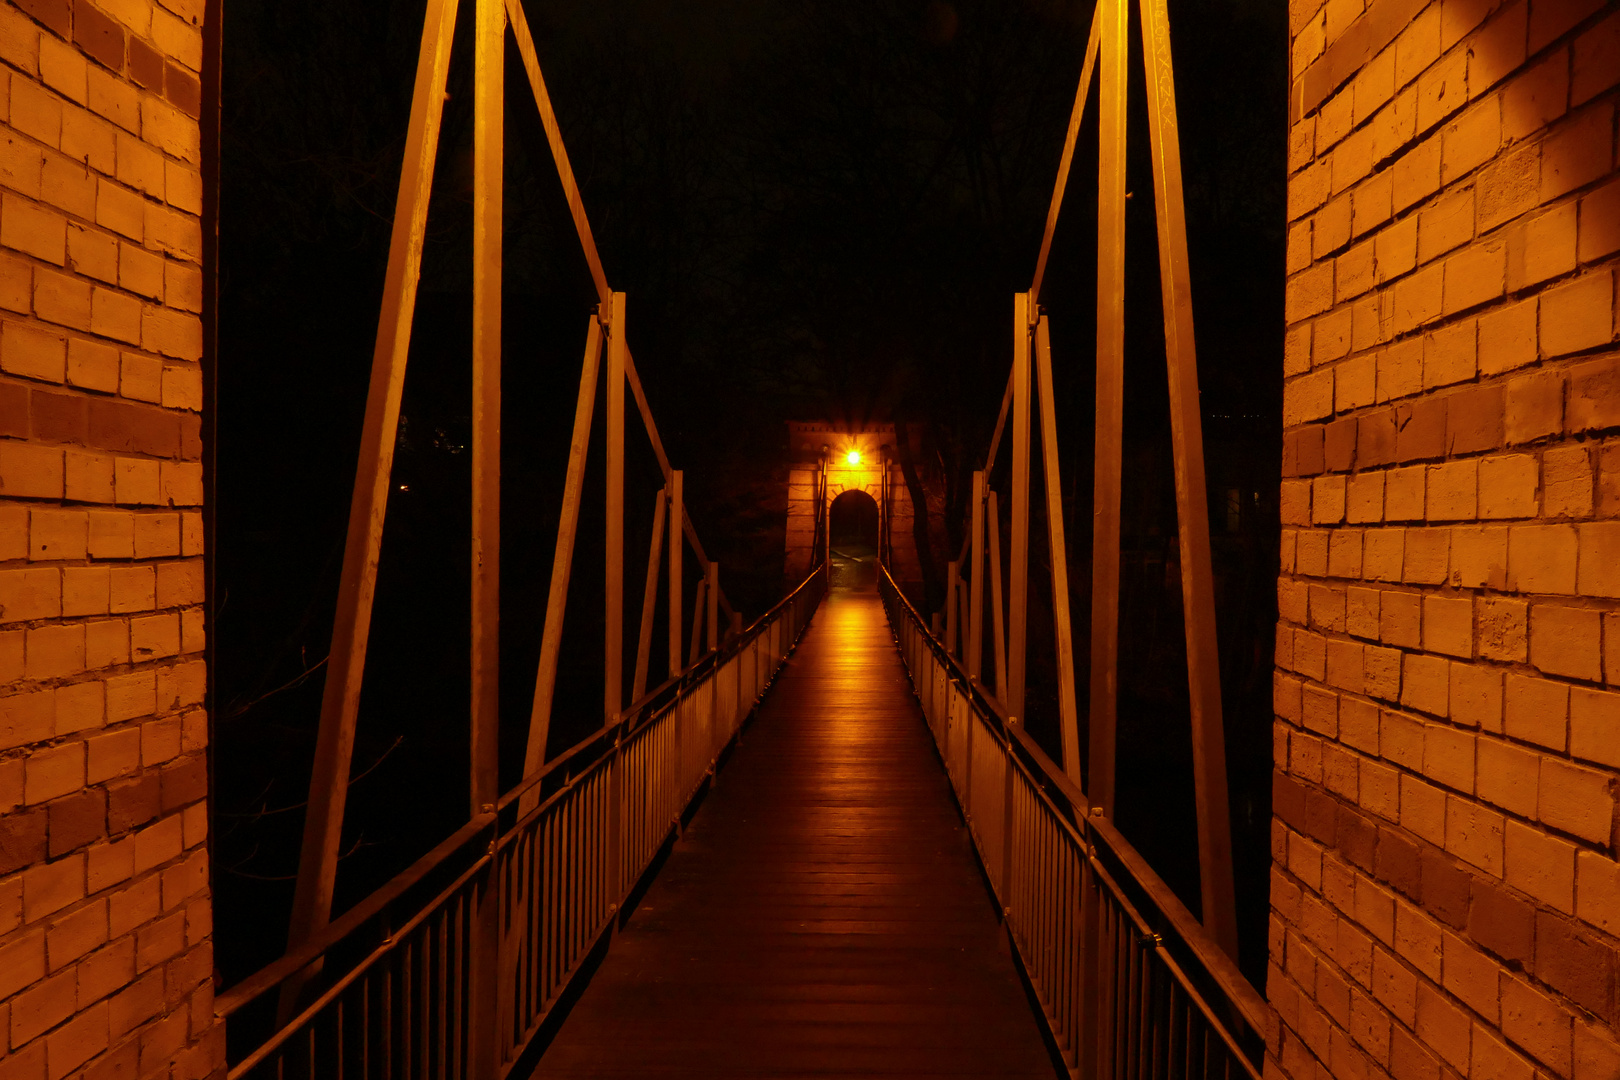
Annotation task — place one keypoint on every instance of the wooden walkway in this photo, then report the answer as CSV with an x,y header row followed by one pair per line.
x,y
823,915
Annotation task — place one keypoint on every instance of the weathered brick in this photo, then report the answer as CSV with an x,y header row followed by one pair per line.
x,y
1536,1023
1576,800
1564,641
1536,710
1577,151
1578,315
1539,865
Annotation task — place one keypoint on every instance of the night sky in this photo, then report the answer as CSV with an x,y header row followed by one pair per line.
x,y
819,209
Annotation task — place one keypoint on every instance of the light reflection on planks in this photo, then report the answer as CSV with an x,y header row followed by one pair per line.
x,y
823,915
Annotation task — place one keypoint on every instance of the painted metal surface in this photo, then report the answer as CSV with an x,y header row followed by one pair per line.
x,y
1108,461
479,940
1192,503
351,628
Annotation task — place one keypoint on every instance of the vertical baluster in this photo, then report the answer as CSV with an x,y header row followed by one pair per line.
x,y
387,1013
1049,887
442,946
601,802
540,915
596,863
1140,1005
599,857
1060,921
459,1025
534,926
587,844
1129,949
570,872
406,1027
587,864
587,868
425,991
567,870
1172,1055
1133,1000
365,1026
1066,901
548,912
567,867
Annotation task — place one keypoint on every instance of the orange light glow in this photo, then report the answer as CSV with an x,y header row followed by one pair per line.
x,y
853,457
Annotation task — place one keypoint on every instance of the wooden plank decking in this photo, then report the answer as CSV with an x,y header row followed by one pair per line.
x,y
823,914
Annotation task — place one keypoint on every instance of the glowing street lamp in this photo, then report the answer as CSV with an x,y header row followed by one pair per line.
x,y
853,457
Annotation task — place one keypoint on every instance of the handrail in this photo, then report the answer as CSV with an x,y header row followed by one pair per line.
x,y
272,974
1185,924
606,814
1072,813
693,672
280,1038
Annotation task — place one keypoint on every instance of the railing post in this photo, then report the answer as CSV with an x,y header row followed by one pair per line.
x,y
951,576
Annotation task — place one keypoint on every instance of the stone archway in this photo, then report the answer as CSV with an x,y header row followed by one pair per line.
x,y
853,520
847,460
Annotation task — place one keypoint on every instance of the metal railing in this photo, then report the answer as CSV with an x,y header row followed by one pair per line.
x,y
407,985
1130,984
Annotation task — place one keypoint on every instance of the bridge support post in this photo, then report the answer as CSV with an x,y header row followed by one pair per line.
x,y
351,626
1018,557
998,606
697,620
485,1046
1106,479
613,621
975,628
649,599
1192,503
1113,33
712,616
562,561
677,513
1057,543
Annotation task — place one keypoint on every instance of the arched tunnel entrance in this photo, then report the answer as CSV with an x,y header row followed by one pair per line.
x,y
852,524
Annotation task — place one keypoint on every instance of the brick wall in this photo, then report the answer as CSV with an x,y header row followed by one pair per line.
x,y
105,957
1445,891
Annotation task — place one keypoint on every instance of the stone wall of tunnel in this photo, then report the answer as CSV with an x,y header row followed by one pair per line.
x,y
1445,885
